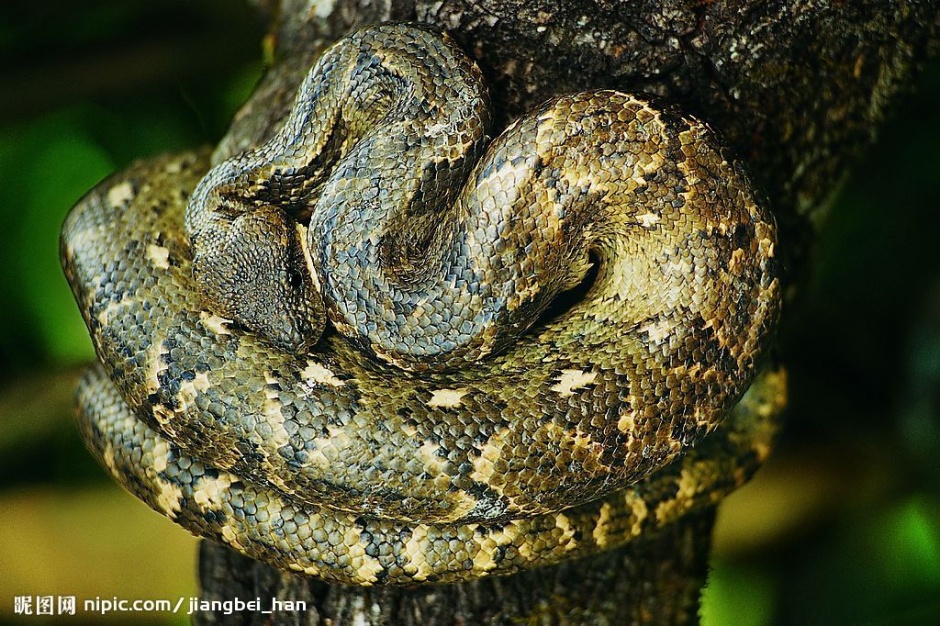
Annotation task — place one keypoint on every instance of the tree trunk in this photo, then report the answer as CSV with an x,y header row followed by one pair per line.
x,y
796,88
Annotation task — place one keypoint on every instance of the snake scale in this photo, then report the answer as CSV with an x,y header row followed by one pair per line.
x,y
381,348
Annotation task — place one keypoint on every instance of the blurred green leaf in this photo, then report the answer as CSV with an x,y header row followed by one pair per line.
x,y
737,594
910,540
63,162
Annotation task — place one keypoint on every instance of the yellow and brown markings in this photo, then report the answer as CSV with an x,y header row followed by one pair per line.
x,y
429,435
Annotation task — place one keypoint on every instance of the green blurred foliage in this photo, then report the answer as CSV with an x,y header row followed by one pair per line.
x,y
862,342
55,144
738,594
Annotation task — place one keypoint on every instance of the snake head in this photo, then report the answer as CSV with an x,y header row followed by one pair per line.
x,y
252,268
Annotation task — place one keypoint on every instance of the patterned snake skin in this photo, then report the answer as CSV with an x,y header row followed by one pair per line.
x,y
380,348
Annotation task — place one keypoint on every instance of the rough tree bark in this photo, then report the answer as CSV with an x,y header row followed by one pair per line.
x,y
796,88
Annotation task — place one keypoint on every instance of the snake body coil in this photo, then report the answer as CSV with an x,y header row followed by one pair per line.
x,y
454,420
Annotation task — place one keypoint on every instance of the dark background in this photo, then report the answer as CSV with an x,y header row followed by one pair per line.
x,y
841,526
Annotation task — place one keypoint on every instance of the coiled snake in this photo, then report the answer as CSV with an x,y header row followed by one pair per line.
x,y
461,415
